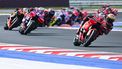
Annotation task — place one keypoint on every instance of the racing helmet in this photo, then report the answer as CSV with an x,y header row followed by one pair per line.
x,y
30,9
85,13
110,18
115,11
25,10
45,10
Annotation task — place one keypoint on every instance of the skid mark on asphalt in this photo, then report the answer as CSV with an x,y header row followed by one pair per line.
x,y
64,52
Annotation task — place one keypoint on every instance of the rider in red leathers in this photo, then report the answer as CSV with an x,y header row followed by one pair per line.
x,y
102,8
106,9
34,15
106,23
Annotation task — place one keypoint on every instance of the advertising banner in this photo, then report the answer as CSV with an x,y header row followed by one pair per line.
x,y
33,3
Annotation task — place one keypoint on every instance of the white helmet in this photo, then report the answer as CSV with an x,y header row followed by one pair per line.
x,y
110,18
25,10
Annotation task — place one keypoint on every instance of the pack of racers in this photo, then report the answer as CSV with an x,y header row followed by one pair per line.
x,y
105,15
63,16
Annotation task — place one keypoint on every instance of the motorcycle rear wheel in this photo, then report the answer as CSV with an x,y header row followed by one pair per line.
x,y
21,30
30,27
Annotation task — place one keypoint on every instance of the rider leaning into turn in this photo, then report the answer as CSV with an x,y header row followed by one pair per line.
x,y
107,22
18,11
106,9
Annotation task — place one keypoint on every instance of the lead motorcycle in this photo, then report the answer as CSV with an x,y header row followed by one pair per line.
x,y
87,36
30,22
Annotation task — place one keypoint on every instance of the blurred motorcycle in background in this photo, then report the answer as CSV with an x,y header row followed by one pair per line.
x,y
14,20
30,22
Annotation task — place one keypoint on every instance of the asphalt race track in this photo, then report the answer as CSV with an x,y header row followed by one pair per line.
x,y
60,38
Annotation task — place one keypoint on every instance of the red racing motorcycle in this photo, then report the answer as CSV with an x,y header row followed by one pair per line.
x,y
14,20
30,22
90,31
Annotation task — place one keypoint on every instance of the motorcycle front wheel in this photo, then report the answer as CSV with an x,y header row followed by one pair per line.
x,y
6,27
76,41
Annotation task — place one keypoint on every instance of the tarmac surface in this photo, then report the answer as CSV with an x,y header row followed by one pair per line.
x,y
60,38
51,48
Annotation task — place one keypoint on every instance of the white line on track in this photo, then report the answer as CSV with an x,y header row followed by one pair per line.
x,y
5,14
9,63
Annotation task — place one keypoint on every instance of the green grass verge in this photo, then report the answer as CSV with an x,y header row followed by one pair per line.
x,y
96,7
118,26
87,7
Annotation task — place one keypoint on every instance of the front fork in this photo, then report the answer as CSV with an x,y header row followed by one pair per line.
x,y
9,22
89,33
